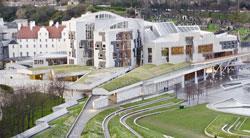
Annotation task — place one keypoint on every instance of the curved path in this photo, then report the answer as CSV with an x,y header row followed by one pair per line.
x,y
110,116
128,115
83,118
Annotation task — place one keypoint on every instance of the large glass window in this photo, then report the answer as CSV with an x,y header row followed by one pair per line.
x,y
205,48
177,50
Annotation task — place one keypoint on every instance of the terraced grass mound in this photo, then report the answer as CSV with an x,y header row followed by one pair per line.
x,y
144,72
61,126
191,122
94,129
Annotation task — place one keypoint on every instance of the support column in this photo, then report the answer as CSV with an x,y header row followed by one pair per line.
x,y
195,77
204,75
221,71
228,70
183,82
212,72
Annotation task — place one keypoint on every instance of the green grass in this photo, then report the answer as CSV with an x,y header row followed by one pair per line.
x,y
218,123
213,28
146,100
189,122
61,126
64,68
246,125
144,72
93,129
117,130
117,10
243,33
95,74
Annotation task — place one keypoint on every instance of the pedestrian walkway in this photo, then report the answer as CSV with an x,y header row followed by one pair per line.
x,y
84,117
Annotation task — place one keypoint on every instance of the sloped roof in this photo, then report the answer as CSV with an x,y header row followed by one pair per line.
x,y
26,33
55,32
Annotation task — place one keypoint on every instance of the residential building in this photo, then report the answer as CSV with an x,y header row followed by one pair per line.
x,y
33,40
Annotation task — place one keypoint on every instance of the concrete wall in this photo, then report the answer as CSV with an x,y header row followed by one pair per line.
x,y
101,102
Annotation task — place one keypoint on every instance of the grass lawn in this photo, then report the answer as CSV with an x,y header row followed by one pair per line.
x,y
93,129
64,68
246,125
144,72
189,122
96,74
117,10
61,126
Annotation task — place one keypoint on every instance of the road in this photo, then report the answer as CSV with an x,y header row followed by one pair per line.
x,y
110,116
84,117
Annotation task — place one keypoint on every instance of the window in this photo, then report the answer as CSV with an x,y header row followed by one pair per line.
x,y
34,53
27,54
40,46
34,46
20,46
13,46
13,54
21,54
40,52
150,55
205,48
27,46
40,40
45,40
52,45
46,46
164,52
177,50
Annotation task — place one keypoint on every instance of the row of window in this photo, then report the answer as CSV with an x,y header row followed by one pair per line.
x,y
34,40
229,44
27,54
38,62
34,46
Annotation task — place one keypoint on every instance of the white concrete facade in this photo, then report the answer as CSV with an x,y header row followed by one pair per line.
x,y
104,39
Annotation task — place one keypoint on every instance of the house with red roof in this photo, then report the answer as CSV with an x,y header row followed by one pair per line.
x,y
33,41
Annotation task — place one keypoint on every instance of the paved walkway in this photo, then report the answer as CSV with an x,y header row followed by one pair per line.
x,y
86,115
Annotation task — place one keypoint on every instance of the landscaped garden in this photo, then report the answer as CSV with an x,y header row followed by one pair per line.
x,y
170,121
144,72
60,127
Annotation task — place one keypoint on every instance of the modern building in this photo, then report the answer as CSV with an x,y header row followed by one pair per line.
x,y
166,42
104,39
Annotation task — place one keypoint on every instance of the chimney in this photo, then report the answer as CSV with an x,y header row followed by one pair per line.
x,y
19,25
32,24
51,22
57,24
